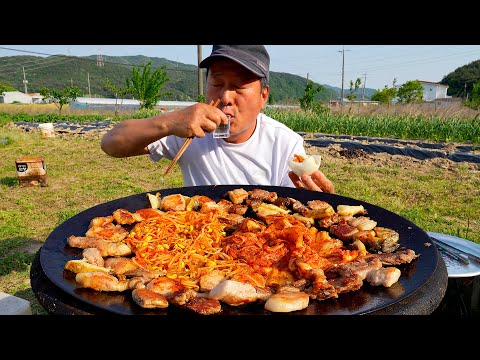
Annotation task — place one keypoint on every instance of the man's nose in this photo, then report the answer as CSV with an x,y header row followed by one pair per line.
x,y
226,97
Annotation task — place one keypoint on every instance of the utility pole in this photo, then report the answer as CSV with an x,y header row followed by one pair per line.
x,y
343,70
88,80
364,81
25,81
200,72
307,78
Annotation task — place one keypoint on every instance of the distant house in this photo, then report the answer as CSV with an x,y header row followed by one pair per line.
x,y
432,91
9,97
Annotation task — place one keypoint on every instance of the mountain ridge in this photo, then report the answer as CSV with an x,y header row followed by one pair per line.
x,y
90,75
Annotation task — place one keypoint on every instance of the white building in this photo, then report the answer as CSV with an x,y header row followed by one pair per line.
x,y
9,97
433,91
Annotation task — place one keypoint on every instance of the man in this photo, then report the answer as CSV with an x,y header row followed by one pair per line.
x,y
259,147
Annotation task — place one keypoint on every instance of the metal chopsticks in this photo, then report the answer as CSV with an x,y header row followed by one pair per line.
x,y
458,251
185,145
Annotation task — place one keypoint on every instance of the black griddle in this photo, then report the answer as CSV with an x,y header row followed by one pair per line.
x,y
413,285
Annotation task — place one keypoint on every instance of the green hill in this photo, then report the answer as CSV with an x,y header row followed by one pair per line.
x,y
460,81
57,71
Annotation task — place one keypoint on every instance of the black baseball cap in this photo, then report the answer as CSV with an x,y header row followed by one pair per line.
x,y
252,57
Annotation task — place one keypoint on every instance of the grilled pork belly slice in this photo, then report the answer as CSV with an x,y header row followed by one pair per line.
x,y
263,195
108,231
343,231
384,276
208,281
100,281
196,201
106,248
93,256
232,222
287,301
182,297
237,196
265,210
79,266
362,223
101,221
125,217
149,299
120,264
234,293
396,258
165,286
174,202
346,210
307,221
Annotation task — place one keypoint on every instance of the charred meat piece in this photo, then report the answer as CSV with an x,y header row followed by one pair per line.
x,y
263,195
204,306
196,201
385,240
344,232
328,221
396,258
232,221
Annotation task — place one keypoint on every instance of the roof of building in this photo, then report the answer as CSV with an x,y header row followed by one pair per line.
x,y
431,82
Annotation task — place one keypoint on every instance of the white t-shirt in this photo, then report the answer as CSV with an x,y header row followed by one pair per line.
x,y
261,160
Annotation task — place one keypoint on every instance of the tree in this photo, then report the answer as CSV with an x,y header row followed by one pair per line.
x,y
6,87
60,98
307,100
386,95
147,85
474,100
353,88
410,92
118,92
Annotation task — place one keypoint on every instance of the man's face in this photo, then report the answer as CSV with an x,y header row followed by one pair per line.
x,y
240,96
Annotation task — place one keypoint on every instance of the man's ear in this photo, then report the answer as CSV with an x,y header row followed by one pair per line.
x,y
265,93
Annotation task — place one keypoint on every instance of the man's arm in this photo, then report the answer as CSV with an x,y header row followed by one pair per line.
x,y
131,137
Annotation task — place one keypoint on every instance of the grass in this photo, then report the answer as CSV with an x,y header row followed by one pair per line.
x,y
80,175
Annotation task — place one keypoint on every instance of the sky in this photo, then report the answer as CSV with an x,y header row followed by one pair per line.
x,y
376,65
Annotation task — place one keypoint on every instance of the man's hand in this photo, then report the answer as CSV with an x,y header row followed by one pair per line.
x,y
316,182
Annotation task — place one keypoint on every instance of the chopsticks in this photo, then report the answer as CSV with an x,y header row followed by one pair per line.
x,y
457,256
185,145
456,250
